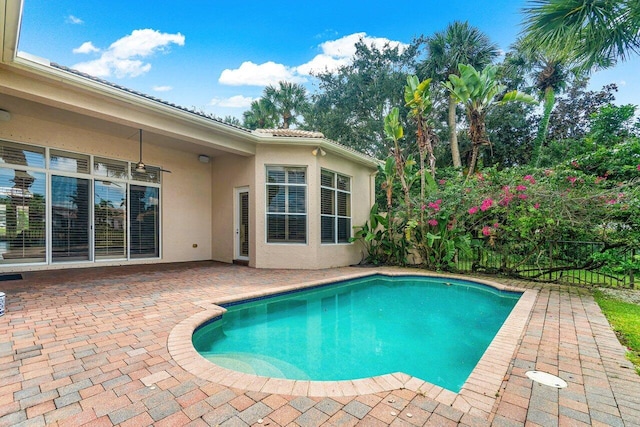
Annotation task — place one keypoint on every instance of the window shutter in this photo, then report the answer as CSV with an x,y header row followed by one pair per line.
x,y
22,155
68,162
109,168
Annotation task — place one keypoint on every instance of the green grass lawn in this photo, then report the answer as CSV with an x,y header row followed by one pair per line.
x,y
624,317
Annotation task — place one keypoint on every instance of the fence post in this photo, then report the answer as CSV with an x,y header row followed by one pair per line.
x,y
633,257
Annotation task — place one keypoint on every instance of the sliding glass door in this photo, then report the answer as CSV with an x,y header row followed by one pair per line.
x,y
110,214
70,218
144,220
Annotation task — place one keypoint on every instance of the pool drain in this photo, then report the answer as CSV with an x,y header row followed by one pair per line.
x,y
546,379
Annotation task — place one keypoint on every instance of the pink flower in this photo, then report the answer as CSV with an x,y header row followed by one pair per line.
x,y
496,225
505,188
435,206
530,179
486,230
486,204
522,196
451,225
479,176
473,210
572,179
521,187
638,167
433,222
442,182
536,206
506,200
423,207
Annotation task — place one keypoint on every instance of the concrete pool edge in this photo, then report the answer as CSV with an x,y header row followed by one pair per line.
x,y
477,396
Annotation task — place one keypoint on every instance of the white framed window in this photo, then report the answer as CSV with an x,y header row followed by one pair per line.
x,y
335,207
286,204
59,206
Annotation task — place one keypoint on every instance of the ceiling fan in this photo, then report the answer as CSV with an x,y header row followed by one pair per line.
x,y
140,166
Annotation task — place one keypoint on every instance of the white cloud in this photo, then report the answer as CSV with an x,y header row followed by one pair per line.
x,y
74,20
335,53
86,47
162,88
121,57
237,101
253,74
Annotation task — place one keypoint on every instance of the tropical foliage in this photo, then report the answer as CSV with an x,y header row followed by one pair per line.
x,y
478,91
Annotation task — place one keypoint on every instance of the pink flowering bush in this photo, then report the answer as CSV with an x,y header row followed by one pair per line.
x,y
513,214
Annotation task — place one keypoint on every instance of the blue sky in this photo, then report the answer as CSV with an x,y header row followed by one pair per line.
x,y
218,56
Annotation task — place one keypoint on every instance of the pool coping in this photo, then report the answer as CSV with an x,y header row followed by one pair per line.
x,y
476,397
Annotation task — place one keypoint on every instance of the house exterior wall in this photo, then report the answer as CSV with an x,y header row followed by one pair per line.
x,y
228,173
313,254
55,109
185,193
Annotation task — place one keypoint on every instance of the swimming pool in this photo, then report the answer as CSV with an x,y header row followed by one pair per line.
x,y
431,328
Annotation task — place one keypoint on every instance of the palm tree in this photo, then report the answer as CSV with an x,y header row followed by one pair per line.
x,y
550,73
288,100
260,116
459,43
479,92
592,33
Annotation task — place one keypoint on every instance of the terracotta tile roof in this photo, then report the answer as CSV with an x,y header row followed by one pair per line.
x,y
289,133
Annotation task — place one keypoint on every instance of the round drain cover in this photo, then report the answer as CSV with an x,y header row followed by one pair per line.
x,y
546,379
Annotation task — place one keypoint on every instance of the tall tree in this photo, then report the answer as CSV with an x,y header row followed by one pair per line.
x,y
479,92
571,117
288,100
352,102
550,75
459,43
592,33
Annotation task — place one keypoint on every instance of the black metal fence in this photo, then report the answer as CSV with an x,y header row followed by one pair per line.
x,y
582,263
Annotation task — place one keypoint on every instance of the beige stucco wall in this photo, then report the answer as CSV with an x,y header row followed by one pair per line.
x,y
230,172
313,254
186,192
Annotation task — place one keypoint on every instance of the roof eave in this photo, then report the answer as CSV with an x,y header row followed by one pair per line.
x,y
42,68
10,19
326,144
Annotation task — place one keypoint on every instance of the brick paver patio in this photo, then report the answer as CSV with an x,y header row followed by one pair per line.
x,y
92,347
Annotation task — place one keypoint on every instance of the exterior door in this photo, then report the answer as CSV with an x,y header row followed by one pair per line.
x,y
242,224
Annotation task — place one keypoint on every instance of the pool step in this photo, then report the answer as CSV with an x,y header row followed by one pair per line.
x,y
257,364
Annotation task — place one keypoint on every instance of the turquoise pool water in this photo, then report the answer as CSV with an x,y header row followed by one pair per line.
x,y
431,328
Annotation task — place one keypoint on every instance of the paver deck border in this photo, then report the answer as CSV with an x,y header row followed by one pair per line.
x,y
477,396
